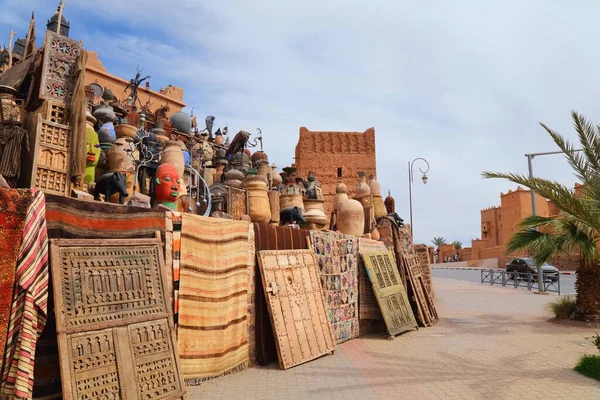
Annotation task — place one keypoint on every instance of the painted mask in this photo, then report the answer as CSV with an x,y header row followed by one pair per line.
x,y
92,147
167,185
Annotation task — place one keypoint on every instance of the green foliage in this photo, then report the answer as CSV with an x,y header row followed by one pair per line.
x,y
457,245
563,308
596,341
589,366
439,241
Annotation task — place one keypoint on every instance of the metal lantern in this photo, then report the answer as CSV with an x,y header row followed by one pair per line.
x,y
12,109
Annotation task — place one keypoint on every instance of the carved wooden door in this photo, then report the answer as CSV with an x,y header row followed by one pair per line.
x,y
425,305
114,325
296,307
389,291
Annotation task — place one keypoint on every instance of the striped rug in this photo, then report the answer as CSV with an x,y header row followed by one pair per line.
x,y
217,260
29,306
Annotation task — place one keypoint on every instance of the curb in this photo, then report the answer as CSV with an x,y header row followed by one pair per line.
x,y
479,269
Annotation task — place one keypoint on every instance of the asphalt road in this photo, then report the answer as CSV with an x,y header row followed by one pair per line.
x,y
567,282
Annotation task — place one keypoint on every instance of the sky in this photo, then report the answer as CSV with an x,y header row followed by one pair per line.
x,y
463,84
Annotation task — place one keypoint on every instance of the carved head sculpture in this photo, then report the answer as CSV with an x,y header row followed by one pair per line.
x,y
92,147
167,185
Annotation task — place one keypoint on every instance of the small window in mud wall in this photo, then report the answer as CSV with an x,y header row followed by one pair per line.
x,y
339,172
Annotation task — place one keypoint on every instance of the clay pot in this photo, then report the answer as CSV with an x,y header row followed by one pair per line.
x,y
362,188
258,201
275,177
375,234
126,131
172,154
374,186
263,171
259,156
351,218
274,204
379,207
118,159
104,113
314,204
106,133
341,195
291,200
234,177
182,122
315,214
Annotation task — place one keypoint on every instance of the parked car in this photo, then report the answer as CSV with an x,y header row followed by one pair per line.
x,y
524,265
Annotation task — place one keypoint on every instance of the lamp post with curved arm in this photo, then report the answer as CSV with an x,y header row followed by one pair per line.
x,y
410,182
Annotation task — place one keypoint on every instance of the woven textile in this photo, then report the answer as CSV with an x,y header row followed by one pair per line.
x,y
29,305
338,267
217,260
78,219
268,237
12,140
13,211
176,255
368,308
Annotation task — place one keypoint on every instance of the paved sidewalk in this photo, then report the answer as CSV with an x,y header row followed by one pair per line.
x,y
490,343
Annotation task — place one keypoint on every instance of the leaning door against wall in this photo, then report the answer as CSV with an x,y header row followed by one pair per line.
x,y
295,302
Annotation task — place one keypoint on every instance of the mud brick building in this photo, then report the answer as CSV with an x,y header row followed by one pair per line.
x,y
335,157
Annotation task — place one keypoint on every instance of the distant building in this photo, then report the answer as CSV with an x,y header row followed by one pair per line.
x,y
335,157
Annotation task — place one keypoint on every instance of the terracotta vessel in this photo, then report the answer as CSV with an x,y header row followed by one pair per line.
x,y
351,218
258,200
234,177
106,133
126,131
291,200
103,113
118,159
362,188
341,195
274,205
182,122
275,177
264,171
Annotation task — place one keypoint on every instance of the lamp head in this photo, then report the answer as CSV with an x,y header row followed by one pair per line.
x,y
424,178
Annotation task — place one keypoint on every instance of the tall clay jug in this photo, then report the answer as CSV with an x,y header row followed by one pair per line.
x,y
258,200
351,218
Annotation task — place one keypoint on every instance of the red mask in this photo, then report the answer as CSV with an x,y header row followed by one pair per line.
x,y
167,183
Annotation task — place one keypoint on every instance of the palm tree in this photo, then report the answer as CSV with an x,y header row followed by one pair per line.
x,y
439,241
577,226
457,245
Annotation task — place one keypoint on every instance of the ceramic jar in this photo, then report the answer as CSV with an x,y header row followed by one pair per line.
x,y
258,200
351,218
172,154
118,158
126,131
341,195
234,177
276,180
104,113
182,122
315,214
263,171
291,200
378,206
362,188
106,133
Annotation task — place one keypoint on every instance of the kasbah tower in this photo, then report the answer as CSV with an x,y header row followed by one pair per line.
x,y
335,157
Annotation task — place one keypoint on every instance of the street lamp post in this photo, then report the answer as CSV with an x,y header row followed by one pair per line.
x,y
410,182
530,158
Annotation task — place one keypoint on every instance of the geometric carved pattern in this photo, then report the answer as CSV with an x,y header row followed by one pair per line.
x,y
115,330
57,113
389,291
58,71
296,307
426,311
51,159
237,202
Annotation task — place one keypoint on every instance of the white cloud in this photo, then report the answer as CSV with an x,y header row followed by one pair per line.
x,y
463,84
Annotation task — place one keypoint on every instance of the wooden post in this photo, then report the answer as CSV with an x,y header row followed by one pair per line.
x,y
10,46
60,13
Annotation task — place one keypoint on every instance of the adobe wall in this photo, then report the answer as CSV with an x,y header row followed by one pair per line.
x,y
95,72
324,152
514,207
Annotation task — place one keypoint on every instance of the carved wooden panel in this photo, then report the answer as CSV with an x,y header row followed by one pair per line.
x,y
114,325
57,112
389,291
59,67
237,202
296,307
367,203
52,158
423,252
426,311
